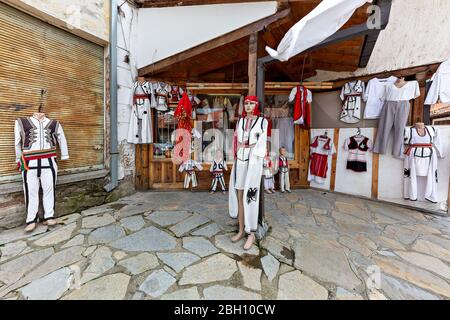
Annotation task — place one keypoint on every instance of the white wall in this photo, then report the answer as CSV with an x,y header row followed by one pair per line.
x,y
127,40
163,32
417,34
348,181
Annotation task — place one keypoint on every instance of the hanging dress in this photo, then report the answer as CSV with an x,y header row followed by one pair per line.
x,y
140,129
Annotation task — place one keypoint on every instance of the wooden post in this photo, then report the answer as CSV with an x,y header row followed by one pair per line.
x,y
417,114
375,170
252,64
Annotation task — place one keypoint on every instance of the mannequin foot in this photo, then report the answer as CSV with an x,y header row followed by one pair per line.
x,y
224,192
212,192
288,191
238,237
50,223
273,191
30,227
250,241
282,191
268,192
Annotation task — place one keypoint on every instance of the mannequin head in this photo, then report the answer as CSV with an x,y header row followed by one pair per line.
x,y
283,151
251,106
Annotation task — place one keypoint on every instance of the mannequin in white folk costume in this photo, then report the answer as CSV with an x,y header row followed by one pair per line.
x,y
424,147
140,130
188,167
217,169
36,141
250,142
269,170
283,167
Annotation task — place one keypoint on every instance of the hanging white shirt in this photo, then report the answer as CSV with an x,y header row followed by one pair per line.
x,y
440,88
374,96
293,95
408,92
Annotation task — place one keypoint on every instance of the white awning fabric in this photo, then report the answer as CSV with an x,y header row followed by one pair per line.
x,y
322,22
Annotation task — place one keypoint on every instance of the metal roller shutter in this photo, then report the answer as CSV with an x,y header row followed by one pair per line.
x,y
36,55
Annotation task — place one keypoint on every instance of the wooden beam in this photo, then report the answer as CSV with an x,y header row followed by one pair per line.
x,y
252,63
181,3
212,44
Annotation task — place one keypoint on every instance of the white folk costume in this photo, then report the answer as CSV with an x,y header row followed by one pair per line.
x,y
188,167
140,129
374,96
269,181
36,143
162,93
321,148
217,169
440,88
283,167
421,163
246,175
357,147
351,95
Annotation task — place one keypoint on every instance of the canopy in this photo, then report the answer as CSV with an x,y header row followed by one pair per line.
x,y
322,22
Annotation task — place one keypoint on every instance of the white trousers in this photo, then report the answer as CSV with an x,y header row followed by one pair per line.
x,y
188,178
42,173
284,181
218,178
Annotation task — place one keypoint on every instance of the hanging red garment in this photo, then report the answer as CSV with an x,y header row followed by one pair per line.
x,y
302,108
183,113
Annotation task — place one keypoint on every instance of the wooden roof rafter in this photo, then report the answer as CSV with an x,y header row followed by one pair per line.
x,y
180,3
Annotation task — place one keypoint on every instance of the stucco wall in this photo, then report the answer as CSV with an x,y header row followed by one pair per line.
x,y
163,32
417,34
90,16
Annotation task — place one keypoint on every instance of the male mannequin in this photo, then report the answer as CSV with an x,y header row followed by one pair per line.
x,y
36,140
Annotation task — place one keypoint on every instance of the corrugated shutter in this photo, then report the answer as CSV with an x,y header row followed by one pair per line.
x,y
35,55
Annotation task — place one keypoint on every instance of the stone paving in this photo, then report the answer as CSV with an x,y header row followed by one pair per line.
x,y
176,245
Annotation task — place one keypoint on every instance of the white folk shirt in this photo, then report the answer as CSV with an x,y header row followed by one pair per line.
x,y
440,88
374,96
351,95
189,166
41,138
408,92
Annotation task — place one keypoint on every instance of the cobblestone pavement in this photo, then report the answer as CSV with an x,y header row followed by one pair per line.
x,y
176,246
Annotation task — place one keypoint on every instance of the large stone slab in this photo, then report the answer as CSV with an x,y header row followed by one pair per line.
x,y
133,209
224,243
19,234
111,287
57,261
94,222
106,235
280,250
270,266
415,276
433,249
101,261
189,224
140,263
157,283
426,262
50,287
13,249
208,231
184,294
296,286
133,223
217,268
56,236
179,260
168,218
397,289
251,276
342,294
199,246
327,262
12,271
146,240
402,234
76,241
105,209
218,292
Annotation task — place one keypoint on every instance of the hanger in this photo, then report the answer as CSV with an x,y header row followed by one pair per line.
x,y
358,133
